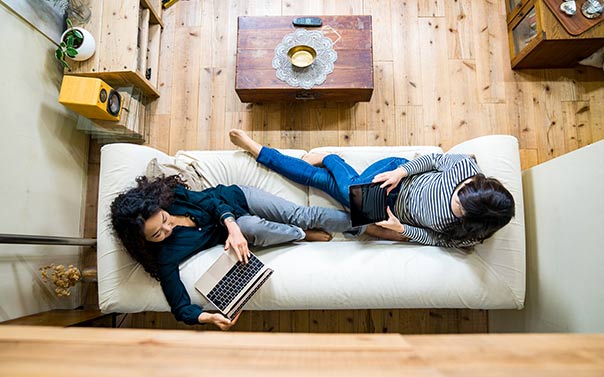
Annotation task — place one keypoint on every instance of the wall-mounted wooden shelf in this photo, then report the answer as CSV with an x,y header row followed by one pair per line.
x,y
127,35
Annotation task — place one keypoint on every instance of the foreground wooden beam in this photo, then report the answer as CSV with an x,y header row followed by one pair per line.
x,y
50,351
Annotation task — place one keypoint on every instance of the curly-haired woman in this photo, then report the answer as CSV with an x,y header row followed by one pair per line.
x,y
162,223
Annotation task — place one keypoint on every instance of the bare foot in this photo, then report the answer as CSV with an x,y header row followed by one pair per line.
x,y
314,158
243,141
385,234
317,235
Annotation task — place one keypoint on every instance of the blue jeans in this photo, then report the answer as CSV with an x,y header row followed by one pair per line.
x,y
274,220
334,179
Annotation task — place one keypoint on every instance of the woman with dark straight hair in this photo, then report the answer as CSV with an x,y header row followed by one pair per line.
x,y
435,199
486,207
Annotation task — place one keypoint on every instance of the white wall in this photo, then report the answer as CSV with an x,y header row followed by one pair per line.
x,y
43,162
564,206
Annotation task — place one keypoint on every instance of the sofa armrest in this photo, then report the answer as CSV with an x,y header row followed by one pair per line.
x,y
121,163
499,156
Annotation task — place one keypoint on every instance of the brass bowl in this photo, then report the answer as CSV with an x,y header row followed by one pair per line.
x,y
301,55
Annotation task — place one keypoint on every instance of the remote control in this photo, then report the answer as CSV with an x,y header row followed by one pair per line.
x,y
307,21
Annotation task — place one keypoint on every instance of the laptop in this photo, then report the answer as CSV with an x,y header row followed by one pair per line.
x,y
368,203
229,284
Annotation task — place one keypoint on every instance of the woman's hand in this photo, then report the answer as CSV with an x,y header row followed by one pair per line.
x,y
392,223
237,241
390,178
218,319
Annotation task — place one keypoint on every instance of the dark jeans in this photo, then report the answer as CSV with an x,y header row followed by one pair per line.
x,y
334,179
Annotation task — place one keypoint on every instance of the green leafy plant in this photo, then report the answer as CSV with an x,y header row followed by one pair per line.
x,y
69,44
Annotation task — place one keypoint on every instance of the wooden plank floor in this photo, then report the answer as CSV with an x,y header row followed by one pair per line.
x,y
442,76
404,321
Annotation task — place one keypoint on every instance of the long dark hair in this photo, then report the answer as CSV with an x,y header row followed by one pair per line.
x,y
488,206
131,209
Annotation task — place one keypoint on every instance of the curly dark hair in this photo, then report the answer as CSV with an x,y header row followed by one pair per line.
x,y
131,209
488,206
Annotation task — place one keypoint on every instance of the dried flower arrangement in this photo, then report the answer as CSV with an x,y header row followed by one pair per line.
x,y
63,278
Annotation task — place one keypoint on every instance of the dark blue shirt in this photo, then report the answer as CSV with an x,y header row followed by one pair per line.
x,y
207,209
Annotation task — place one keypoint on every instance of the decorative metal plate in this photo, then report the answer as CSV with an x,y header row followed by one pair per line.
x,y
314,74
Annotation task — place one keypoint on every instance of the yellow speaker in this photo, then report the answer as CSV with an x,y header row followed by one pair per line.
x,y
90,97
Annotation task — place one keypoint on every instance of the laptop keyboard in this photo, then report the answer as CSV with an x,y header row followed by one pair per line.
x,y
233,282
238,309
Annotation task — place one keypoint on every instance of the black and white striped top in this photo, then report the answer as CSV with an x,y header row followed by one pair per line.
x,y
423,204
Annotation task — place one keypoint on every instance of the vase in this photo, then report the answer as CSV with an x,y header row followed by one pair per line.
x,y
89,274
86,49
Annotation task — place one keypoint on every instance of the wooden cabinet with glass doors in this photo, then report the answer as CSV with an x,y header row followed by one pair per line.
x,y
538,40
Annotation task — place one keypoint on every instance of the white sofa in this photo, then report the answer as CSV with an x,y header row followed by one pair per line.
x,y
341,274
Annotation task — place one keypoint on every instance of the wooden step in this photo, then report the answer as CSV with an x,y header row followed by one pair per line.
x,y
63,318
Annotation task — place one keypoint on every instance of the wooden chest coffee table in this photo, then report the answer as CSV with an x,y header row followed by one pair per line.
x,y
351,80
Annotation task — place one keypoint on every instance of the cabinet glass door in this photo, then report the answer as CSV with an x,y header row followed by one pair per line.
x,y
514,4
525,31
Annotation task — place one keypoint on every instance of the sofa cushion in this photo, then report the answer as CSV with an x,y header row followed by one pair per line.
x,y
188,171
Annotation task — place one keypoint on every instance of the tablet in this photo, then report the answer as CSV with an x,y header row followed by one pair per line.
x,y
368,202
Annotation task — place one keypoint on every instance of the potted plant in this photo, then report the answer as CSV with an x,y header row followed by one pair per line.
x,y
76,43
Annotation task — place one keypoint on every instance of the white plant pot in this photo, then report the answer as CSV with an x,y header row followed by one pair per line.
x,y
86,50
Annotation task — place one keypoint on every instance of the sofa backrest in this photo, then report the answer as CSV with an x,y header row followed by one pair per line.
x,y
239,168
